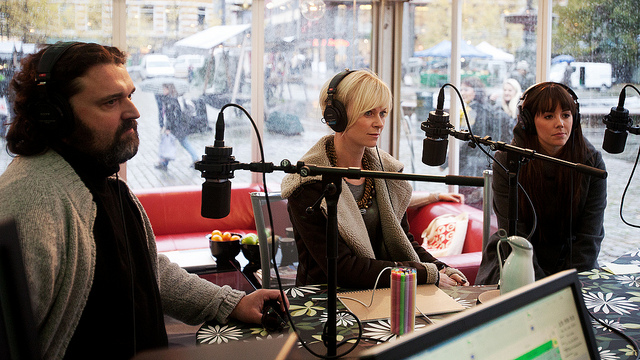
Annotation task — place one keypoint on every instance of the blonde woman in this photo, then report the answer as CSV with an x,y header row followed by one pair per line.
x,y
372,224
511,92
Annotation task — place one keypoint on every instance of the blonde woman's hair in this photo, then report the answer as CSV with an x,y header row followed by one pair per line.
x,y
359,92
511,107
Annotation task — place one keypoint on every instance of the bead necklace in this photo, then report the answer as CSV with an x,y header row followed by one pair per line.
x,y
369,189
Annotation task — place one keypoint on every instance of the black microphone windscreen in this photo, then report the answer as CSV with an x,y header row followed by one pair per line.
x,y
434,151
216,199
614,141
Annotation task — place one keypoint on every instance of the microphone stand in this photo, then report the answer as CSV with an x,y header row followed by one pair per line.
x,y
332,182
516,156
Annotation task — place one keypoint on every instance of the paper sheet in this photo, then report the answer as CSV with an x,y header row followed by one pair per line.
x,y
621,269
430,300
191,259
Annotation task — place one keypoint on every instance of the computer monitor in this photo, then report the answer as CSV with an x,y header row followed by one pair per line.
x,y
17,327
287,264
543,320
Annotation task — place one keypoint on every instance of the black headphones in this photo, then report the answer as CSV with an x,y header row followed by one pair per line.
x,y
52,111
335,114
527,119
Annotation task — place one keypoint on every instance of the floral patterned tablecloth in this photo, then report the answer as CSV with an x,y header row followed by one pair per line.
x,y
615,299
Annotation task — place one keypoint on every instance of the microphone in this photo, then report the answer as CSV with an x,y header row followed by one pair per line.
x,y
617,122
217,168
436,129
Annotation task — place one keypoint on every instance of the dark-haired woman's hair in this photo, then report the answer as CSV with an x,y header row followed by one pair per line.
x,y
24,136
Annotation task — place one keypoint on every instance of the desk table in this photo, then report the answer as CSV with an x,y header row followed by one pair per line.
x,y
308,311
615,299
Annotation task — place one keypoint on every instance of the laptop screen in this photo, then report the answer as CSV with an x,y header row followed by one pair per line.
x,y
546,320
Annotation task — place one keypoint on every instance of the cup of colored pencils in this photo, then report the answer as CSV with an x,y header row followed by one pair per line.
x,y
403,300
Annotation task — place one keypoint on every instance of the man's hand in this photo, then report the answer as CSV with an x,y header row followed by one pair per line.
x,y
249,309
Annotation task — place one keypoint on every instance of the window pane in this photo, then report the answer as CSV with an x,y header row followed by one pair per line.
x,y
498,43
492,80
301,54
186,64
595,52
24,26
422,77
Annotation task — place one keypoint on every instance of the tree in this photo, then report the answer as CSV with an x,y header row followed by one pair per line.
x,y
28,21
482,21
600,31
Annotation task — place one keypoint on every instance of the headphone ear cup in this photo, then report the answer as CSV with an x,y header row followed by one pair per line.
x,y
527,121
335,115
52,112
54,115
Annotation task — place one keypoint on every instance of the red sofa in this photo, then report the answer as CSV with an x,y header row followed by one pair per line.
x,y
469,261
174,213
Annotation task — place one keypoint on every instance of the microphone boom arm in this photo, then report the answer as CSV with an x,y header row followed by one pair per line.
x,y
526,153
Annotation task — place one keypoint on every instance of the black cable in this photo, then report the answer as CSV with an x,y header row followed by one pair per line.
x,y
385,180
624,193
476,143
570,222
619,332
273,247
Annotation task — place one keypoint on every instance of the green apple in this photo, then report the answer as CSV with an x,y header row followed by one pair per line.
x,y
250,239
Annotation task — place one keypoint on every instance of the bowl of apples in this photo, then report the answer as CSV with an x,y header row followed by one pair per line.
x,y
224,246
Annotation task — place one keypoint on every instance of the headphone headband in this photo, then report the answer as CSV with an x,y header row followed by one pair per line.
x,y
333,85
49,58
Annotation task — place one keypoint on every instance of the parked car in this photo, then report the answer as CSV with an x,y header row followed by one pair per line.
x,y
184,62
156,65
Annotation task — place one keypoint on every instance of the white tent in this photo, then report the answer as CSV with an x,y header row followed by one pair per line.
x,y
212,36
496,53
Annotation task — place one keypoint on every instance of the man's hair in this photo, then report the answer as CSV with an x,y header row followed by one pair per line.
x,y
24,136
360,91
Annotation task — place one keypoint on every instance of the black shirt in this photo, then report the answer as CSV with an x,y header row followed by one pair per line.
x,y
123,314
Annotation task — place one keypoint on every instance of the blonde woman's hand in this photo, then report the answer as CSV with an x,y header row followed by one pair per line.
x,y
459,198
452,280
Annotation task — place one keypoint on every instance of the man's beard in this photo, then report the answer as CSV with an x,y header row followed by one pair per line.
x,y
119,151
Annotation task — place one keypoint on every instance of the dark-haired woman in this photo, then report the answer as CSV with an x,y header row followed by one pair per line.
x,y
569,205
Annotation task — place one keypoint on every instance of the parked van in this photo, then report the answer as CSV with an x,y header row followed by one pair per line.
x,y
584,75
